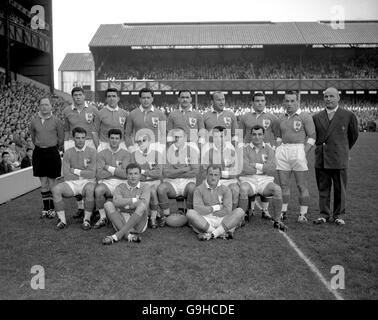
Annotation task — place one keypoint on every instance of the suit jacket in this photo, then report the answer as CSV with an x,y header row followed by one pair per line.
x,y
334,139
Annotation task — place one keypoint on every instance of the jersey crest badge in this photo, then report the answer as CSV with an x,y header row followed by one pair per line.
x,y
227,121
155,122
192,122
266,123
297,125
87,162
89,117
122,121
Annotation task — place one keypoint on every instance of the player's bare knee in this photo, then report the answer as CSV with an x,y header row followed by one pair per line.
x,y
191,214
238,213
244,189
99,191
162,189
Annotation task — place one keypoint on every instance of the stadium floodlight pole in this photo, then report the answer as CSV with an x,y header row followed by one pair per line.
x,y
7,45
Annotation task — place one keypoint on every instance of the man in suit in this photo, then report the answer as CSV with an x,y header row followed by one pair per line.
x,y
336,133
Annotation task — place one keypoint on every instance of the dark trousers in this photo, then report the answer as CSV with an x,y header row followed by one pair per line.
x,y
324,180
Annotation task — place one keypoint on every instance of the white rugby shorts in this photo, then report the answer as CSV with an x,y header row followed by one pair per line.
x,y
77,186
257,182
179,184
291,157
112,183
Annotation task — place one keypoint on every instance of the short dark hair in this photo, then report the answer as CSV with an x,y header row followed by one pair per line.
x,y
115,131
78,130
133,166
4,153
214,93
220,129
27,149
111,90
145,90
258,127
77,89
214,167
184,90
45,97
257,94
295,92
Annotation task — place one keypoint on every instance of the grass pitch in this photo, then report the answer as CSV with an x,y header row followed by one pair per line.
x,y
172,264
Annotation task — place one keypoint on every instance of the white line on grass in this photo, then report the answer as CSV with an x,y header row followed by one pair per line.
x,y
313,268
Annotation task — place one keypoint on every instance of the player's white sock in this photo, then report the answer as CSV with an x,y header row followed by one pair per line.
x,y
303,210
218,231
265,206
80,204
114,236
211,229
153,214
284,207
102,213
87,215
253,203
62,216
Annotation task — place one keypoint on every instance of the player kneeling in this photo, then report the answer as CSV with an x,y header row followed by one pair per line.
x,y
79,171
212,216
111,171
180,172
129,210
258,166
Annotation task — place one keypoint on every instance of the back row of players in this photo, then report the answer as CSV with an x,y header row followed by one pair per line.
x,y
165,158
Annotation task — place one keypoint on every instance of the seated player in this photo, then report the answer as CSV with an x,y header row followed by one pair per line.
x,y
150,161
111,171
79,171
256,178
129,210
179,172
212,215
223,154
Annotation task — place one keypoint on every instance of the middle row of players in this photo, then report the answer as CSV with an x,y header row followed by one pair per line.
x,y
100,176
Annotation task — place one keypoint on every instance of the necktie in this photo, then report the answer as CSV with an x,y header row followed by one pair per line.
x,y
330,115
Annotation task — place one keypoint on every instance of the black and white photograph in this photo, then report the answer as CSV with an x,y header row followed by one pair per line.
x,y
189,157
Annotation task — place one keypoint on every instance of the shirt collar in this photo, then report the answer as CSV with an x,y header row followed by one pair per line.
x,y
113,152
80,150
253,111
254,147
73,106
176,148
214,111
110,109
208,186
190,109
152,109
44,118
132,188
298,112
142,153
332,111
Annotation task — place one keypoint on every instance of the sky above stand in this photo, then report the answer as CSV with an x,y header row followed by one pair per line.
x,y
76,21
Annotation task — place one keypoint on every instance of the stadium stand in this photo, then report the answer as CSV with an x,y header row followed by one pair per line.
x,y
361,67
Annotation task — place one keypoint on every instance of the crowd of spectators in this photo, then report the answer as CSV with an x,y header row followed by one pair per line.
x,y
18,104
359,67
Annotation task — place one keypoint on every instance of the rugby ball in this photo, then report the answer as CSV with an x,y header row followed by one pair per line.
x,y
176,220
